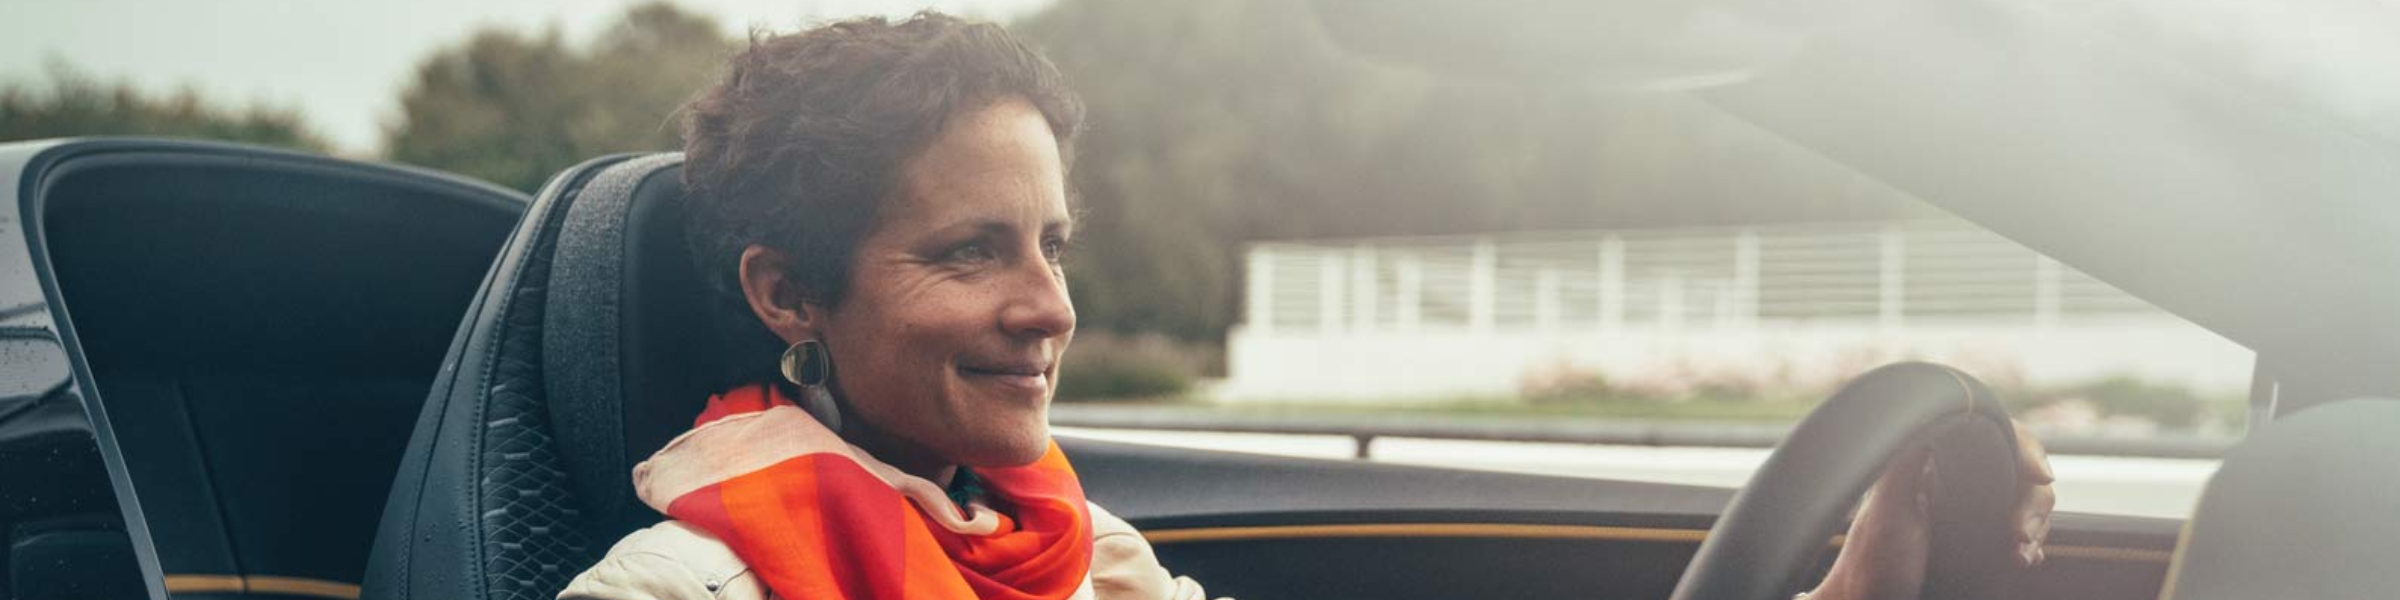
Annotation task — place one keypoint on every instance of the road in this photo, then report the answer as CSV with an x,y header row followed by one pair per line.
x,y
2153,487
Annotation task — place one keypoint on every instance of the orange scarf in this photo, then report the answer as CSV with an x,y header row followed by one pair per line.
x,y
818,518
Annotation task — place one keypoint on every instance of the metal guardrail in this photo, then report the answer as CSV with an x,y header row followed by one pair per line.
x,y
1364,429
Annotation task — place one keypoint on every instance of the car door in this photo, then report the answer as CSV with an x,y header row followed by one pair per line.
x,y
211,356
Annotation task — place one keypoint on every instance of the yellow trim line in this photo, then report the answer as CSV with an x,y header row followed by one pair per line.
x,y
1544,532
1433,530
260,584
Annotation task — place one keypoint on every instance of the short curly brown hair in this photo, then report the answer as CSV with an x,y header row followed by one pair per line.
x,y
802,141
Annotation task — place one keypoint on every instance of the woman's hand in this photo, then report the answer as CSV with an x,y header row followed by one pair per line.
x,y
1884,557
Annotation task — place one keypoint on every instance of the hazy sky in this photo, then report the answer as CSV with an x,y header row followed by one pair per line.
x,y
340,62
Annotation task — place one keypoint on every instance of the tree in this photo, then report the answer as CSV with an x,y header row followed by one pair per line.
x,y
514,109
1210,123
72,103
1217,123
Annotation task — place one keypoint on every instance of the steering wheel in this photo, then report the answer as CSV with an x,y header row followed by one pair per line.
x,y
1773,532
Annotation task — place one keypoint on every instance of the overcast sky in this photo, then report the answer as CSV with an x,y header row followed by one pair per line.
x,y
341,62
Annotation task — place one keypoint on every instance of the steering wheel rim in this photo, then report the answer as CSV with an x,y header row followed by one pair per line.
x,y
1774,530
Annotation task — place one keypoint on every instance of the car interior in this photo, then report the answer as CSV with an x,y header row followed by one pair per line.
x,y
280,434
301,411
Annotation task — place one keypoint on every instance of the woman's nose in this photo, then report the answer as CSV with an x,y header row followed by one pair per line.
x,y
1039,307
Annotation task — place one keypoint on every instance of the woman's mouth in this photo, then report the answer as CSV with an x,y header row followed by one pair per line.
x,y
1029,377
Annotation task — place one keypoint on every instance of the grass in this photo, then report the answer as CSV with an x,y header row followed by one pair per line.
x,y
1158,372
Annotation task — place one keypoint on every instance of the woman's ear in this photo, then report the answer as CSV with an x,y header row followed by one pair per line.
x,y
775,296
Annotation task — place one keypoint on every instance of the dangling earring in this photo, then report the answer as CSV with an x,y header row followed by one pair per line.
x,y
811,367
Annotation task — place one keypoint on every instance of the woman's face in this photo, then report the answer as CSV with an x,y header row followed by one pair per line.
x,y
950,333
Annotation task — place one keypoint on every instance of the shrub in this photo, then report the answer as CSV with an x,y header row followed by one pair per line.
x,y
1564,385
2171,406
1680,382
1107,367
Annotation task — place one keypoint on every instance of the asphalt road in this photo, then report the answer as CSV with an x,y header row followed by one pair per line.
x,y
2154,487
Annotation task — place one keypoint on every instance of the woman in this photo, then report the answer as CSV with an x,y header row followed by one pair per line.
x,y
883,207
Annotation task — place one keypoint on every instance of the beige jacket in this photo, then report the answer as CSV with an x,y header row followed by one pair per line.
x,y
675,561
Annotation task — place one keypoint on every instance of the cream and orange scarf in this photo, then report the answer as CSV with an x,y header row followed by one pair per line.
x,y
818,518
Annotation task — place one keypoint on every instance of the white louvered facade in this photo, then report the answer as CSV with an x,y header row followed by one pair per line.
x,y
1443,317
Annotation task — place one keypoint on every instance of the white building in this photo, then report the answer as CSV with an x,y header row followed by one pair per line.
x,y
1432,318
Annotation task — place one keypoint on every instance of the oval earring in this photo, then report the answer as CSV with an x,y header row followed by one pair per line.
x,y
808,365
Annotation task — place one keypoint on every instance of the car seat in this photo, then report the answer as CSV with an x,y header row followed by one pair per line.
x,y
576,361
2301,509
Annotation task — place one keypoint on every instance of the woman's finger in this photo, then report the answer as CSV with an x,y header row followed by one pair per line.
x,y
2033,461
2033,509
2033,523
2033,514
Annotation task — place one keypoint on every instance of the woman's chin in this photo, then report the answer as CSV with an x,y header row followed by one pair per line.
x,y
1024,446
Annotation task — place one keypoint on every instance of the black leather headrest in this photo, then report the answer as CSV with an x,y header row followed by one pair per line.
x,y
583,354
2304,508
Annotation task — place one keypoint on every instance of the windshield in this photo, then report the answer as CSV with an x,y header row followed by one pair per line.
x,y
1654,277
1290,243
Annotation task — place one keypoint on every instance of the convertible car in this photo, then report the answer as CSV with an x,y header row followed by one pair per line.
x,y
232,372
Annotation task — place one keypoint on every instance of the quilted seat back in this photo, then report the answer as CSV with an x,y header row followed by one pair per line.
x,y
578,359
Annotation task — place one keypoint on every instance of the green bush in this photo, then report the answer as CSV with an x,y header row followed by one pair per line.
x,y
1106,367
2170,406
1569,385
71,102
1568,389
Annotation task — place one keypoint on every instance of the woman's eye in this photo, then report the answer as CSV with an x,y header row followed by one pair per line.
x,y
973,253
1054,249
